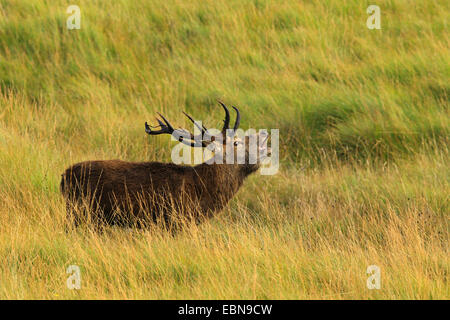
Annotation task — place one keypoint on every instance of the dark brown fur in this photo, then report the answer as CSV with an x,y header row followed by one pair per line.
x,y
138,193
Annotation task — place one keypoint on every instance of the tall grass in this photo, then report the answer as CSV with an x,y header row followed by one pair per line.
x,y
363,118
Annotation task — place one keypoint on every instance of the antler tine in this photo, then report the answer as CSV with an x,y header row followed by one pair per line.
x,y
238,119
169,126
164,128
147,128
226,122
202,128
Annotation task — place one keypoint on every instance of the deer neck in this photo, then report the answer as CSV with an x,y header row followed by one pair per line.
x,y
224,179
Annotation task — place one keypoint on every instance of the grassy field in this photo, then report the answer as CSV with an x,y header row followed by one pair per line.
x,y
364,133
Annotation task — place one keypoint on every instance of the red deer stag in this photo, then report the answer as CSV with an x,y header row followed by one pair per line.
x,y
141,193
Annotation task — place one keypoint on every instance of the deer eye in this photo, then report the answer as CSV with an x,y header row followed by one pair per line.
x,y
236,143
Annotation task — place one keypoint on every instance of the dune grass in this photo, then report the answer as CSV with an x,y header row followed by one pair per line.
x,y
364,125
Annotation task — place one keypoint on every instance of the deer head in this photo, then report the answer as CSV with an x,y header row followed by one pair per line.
x,y
248,152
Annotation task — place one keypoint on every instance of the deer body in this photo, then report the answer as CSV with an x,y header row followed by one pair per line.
x,y
138,193
139,188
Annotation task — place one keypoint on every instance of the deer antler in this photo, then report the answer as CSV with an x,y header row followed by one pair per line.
x,y
226,122
182,134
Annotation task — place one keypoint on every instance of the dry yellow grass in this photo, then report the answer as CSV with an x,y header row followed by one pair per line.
x,y
299,234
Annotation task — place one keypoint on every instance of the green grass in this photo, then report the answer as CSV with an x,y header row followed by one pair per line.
x,y
364,126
